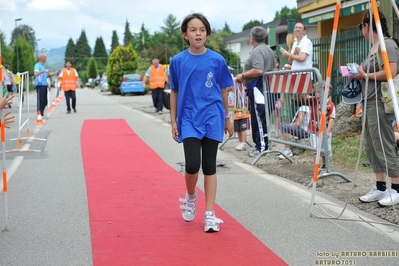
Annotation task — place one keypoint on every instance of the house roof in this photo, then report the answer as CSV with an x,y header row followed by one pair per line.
x,y
280,24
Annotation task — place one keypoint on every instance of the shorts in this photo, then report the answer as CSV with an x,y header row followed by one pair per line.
x,y
298,132
240,125
9,88
314,140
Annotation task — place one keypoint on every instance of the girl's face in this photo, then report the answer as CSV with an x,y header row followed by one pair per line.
x,y
196,33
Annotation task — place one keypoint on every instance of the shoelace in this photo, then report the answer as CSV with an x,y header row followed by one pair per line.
x,y
189,206
213,219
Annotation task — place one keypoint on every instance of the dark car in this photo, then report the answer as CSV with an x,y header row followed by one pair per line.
x,y
132,83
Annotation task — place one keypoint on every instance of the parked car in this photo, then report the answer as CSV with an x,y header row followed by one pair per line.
x,y
132,83
103,84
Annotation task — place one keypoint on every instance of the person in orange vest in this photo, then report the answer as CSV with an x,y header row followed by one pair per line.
x,y
158,77
69,82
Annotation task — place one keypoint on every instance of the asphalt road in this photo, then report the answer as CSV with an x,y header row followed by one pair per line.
x,y
48,215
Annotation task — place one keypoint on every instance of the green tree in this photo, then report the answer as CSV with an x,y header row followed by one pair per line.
x,y
25,55
122,60
128,36
82,52
114,41
286,12
92,70
100,54
171,26
6,51
252,24
226,28
70,51
215,42
24,31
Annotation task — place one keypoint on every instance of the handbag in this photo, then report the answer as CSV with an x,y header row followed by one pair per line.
x,y
386,97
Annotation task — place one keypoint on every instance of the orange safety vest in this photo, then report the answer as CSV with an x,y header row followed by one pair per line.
x,y
68,80
157,77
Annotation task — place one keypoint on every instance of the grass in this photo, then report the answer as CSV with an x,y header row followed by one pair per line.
x,y
346,150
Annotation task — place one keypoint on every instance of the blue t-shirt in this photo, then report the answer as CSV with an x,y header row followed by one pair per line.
x,y
199,80
41,80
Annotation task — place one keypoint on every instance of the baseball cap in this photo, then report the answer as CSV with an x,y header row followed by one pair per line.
x,y
352,92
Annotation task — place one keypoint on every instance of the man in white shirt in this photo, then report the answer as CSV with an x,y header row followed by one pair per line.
x,y
302,50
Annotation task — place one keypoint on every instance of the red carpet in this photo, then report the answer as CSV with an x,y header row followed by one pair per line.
x,y
134,209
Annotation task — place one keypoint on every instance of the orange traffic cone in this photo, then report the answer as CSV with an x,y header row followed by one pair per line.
x,y
39,120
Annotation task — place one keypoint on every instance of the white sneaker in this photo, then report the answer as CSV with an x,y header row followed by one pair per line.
x,y
253,153
241,146
373,195
188,208
391,198
287,152
211,222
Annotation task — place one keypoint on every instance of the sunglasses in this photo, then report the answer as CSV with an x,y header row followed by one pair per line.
x,y
360,26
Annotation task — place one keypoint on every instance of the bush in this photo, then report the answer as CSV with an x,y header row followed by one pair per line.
x,y
122,60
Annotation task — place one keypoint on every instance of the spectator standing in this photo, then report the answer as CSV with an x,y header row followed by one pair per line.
x,y
199,113
69,82
157,78
301,53
8,82
379,135
238,102
41,73
260,61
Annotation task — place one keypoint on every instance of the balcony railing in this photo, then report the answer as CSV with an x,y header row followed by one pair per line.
x,y
302,3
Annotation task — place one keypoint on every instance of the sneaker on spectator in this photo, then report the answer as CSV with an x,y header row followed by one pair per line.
x,y
391,198
373,195
323,169
241,146
211,222
188,207
286,151
253,153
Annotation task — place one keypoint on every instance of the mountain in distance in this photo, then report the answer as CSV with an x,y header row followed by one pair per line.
x,y
56,56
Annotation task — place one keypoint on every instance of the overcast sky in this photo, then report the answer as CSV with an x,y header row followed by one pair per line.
x,y
55,21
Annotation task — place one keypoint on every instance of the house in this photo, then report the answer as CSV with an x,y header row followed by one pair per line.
x,y
277,32
318,17
321,13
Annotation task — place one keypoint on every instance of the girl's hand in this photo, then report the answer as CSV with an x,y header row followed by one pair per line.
x,y
175,132
8,119
4,101
228,128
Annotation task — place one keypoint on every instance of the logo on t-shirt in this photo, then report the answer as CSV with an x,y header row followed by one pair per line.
x,y
209,77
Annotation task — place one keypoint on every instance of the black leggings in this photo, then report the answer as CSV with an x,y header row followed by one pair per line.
x,y
192,154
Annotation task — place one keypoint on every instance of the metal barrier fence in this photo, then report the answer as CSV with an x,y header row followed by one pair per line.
x,y
299,115
24,114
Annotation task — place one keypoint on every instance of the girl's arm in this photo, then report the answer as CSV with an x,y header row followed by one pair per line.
x,y
173,107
